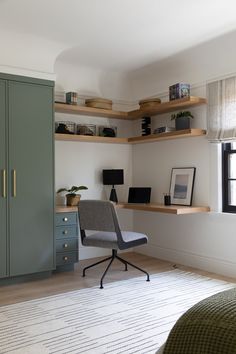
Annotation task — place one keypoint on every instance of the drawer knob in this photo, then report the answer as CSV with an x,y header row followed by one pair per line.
x,y
65,232
65,258
65,219
65,245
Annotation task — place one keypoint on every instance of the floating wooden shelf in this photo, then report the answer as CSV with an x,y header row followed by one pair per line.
x,y
187,133
170,106
89,111
170,209
90,139
164,107
178,134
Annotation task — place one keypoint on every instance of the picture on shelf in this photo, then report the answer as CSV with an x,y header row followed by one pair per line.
x,y
181,185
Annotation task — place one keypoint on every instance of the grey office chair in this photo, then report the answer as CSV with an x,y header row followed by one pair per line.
x,y
100,216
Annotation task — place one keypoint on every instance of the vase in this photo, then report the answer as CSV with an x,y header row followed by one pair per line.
x,y
182,123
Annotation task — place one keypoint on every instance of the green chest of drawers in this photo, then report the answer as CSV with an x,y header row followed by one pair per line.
x,y
67,252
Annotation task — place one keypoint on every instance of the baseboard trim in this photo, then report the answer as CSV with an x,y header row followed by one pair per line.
x,y
209,264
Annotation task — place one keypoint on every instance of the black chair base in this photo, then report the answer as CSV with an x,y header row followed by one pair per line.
x,y
111,259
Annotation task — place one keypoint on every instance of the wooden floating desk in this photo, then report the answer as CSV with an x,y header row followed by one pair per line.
x,y
158,208
66,209
170,209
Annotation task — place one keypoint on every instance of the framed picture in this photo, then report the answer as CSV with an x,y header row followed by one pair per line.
x,y
181,185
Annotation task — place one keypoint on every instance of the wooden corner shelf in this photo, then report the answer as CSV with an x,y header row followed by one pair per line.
x,y
167,107
164,107
187,133
170,209
89,111
90,139
178,134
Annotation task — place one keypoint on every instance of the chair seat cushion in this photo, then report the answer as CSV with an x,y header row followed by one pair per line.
x,y
109,240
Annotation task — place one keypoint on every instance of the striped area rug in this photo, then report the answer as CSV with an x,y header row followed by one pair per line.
x,y
126,317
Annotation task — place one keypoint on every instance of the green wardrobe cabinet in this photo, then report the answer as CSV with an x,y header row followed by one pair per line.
x,y
27,176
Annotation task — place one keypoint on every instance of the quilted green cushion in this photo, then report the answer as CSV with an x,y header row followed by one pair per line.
x,y
209,327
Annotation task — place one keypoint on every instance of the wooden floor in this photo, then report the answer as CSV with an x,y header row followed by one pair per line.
x,y
67,281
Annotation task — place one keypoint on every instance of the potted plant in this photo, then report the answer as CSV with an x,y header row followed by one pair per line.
x,y
182,120
72,198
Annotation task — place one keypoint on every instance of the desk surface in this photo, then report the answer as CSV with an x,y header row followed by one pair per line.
x,y
170,209
158,208
66,209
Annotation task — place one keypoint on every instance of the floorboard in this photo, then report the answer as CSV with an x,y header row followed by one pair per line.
x,y
72,280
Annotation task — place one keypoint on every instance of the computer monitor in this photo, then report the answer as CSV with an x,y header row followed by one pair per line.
x,y
139,195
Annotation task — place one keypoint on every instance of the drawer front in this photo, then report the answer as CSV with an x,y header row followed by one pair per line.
x,y
67,245
67,258
66,231
66,219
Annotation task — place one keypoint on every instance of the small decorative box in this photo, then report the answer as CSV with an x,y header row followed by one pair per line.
x,y
179,90
71,97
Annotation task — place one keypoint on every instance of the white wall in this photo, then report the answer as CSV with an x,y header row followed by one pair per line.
x,y
205,62
79,163
205,241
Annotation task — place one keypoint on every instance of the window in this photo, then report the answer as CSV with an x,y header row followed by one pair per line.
x,y
229,177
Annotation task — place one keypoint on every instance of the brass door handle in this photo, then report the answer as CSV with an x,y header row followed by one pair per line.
x,y
14,183
4,188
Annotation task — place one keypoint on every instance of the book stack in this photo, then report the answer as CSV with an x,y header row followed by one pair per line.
x,y
179,90
71,97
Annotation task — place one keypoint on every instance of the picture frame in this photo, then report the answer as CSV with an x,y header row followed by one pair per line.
x,y
181,185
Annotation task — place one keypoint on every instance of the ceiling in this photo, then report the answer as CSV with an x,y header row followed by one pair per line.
x,y
119,35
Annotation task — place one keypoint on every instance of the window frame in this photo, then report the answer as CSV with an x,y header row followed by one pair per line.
x,y
227,150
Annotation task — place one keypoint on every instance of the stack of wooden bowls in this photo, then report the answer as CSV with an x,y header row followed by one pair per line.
x,y
148,103
99,103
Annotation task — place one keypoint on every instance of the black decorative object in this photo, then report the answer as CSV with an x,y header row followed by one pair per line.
x,y
167,199
146,126
113,177
109,132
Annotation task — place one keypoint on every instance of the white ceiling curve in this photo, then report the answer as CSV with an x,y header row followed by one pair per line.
x,y
117,35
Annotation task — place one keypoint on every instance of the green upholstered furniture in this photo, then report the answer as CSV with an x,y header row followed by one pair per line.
x,y
209,327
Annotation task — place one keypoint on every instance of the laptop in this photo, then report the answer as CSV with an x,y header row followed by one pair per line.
x,y
140,195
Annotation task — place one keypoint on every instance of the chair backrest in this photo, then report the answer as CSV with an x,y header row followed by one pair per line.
x,y
98,215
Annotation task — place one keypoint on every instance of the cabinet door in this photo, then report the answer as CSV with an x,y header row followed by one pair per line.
x,y
31,166
3,186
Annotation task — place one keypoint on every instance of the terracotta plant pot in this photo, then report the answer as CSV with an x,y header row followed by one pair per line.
x,y
72,200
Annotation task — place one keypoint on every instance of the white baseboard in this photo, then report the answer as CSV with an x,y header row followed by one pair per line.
x,y
198,261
